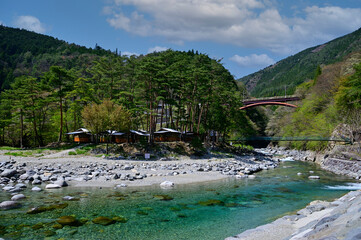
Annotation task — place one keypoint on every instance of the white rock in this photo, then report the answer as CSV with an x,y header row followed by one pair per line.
x,y
52,186
36,189
167,184
314,177
9,205
122,185
17,197
61,183
8,188
299,174
68,198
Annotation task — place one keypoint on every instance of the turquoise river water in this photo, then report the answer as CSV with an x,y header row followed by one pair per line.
x,y
212,210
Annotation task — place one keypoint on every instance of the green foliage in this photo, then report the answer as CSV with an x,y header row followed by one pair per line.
x,y
349,93
319,114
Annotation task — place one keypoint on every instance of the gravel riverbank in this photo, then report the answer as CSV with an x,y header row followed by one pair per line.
x,y
93,171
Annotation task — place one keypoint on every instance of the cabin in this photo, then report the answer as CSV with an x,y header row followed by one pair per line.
x,y
137,136
188,136
167,135
82,135
113,137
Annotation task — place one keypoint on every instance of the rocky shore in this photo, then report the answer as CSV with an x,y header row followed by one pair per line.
x,y
340,219
342,159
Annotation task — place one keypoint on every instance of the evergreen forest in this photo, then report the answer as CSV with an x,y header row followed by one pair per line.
x,y
46,84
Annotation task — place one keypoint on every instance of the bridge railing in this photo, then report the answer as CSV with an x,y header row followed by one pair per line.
x,y
286,97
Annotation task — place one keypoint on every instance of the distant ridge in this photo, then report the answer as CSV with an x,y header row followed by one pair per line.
x,y
21,49
296,69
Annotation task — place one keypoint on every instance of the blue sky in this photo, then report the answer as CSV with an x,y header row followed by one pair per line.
x,y
247,35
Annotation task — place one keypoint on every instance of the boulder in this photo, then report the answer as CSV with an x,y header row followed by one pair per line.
x,y
36,189
167,184
8,173
6,205
52,186
68,221
8,188
61,183
103,221
17,197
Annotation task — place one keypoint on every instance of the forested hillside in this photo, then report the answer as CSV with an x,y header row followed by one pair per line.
x,y
48,83
24,52
296,69
332,100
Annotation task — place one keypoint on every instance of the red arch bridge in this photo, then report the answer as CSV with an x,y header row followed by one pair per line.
x,y
248,103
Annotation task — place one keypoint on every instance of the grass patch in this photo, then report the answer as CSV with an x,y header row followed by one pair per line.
x,y
9,148
20,154
243,146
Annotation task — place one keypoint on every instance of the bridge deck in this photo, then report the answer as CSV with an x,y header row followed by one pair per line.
x,y
272,99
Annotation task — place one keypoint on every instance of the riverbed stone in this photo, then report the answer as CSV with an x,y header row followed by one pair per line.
x,y
36,189
6,205
314,177
8,173
211,202
103,221
52,186
17,197
61,183
167,184
68,221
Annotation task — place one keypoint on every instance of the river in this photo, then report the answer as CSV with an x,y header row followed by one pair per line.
x,y
212,210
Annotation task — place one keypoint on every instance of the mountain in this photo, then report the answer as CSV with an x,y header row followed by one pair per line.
x,y
22,50
296,69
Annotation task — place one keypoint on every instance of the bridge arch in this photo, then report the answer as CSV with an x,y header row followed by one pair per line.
x,y
268,103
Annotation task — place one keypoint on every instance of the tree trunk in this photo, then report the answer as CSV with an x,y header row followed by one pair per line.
x,y
21,128
161,115
61,120
199,118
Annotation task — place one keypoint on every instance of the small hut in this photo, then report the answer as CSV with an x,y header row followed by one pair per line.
x,y
137,136
112,136
119,137
167,135
82,135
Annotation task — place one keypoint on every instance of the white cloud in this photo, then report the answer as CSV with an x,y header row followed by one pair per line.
x,y
245,23
157,49
254,60
30,23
